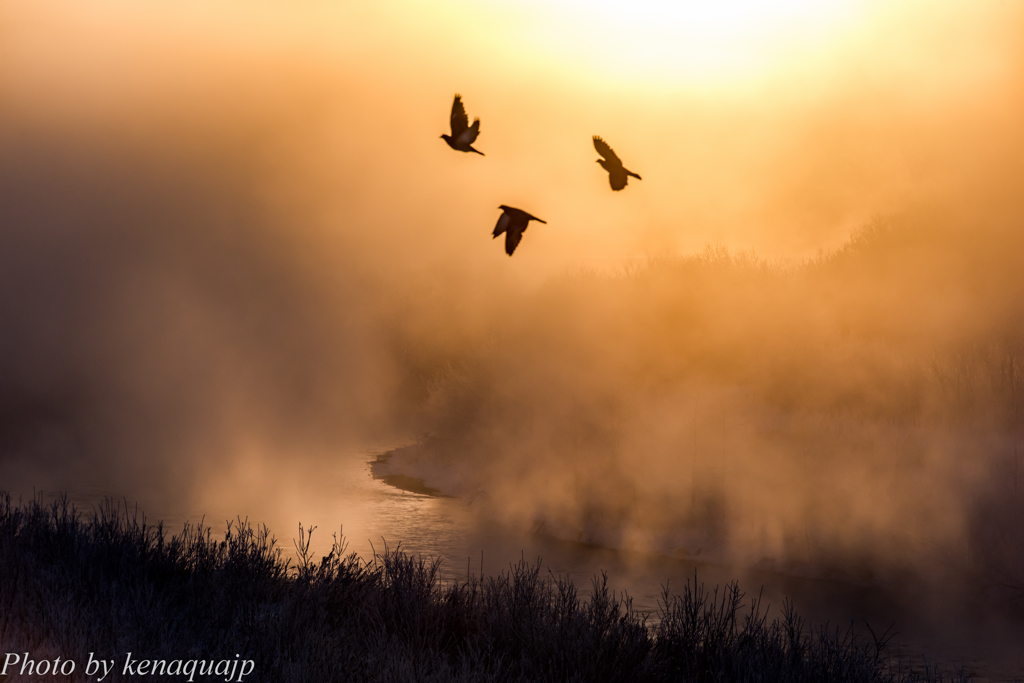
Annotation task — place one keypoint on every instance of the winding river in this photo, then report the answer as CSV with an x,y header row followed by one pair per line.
x,y
345,497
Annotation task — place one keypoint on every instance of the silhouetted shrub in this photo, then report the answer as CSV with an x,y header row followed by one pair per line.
x,y
113,584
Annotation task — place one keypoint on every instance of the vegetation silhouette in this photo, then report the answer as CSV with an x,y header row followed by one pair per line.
x,y
618,175
513,222
192,596
463,135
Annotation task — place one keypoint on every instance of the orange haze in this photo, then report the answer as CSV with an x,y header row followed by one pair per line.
x,y
229,228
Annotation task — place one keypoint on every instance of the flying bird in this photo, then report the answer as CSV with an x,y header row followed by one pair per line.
x,y
463,135
513,223
617,173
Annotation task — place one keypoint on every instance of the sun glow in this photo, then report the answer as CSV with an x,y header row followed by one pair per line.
x,y
695,42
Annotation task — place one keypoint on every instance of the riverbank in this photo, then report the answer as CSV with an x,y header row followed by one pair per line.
x,y
962,626
104,585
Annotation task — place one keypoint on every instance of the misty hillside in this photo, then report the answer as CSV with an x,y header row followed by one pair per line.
x,y
856,414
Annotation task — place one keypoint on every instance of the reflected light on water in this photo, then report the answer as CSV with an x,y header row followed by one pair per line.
x,y
344,497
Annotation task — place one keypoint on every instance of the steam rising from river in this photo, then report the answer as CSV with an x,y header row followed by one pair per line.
x,y
217,250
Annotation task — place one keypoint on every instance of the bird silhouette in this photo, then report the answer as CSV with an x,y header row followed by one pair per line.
x,y
513,223
617,173
463,135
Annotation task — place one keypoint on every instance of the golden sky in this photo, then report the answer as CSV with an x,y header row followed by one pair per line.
x,y
235,225
779,126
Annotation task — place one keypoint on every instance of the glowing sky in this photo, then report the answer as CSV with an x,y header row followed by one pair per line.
x,y
774,125
283,162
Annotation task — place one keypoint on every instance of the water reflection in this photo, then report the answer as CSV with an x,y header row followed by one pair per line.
x,y
344,497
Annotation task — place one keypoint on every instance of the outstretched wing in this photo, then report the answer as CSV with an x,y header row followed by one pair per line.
x,y
514,236
617,179
502,225
604,150
468,136
460,122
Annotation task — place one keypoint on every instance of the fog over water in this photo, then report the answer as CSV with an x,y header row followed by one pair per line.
x,y
234,253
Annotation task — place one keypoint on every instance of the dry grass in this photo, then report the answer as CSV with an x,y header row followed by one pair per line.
x,y
112,583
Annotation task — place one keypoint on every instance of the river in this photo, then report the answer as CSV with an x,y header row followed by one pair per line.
x,y
344,497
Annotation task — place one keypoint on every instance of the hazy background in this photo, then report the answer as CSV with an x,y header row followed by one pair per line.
x,y
231,243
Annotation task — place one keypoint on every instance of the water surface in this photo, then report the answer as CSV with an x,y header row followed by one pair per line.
x,y
344,498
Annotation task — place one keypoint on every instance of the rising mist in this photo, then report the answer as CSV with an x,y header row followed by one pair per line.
x,y
219,244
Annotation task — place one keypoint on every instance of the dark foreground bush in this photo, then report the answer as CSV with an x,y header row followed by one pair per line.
x,y
108,585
